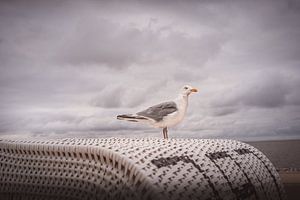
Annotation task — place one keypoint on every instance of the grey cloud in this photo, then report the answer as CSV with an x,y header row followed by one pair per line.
x,y
57,123
264,89
112,45
103,42
122,96
223,111
294,97
268,90
193,51
137,97
110,98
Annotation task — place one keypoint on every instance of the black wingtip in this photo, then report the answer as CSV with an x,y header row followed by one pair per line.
x,y
123,116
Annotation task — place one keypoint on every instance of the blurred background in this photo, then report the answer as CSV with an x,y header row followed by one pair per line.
x,y
69,67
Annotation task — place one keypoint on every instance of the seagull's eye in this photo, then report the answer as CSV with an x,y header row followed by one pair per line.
x,y
185,88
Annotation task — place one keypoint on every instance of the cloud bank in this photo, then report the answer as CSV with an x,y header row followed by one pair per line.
x,y
69,67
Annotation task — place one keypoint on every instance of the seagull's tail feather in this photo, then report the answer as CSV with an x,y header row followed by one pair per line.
x,y
132,118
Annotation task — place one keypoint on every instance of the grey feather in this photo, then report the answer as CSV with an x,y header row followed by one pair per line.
x,y
158,112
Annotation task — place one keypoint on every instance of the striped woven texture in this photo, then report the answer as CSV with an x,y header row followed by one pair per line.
x,y
126,168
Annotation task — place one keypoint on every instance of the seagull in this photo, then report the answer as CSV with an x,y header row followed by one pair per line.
x,y
163,115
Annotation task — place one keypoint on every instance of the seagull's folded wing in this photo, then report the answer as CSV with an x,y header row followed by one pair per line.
x,y
158,112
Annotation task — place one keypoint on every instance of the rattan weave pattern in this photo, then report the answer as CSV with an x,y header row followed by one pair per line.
x,y
135,168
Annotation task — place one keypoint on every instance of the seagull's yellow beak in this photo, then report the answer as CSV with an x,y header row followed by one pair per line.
x,y
194,90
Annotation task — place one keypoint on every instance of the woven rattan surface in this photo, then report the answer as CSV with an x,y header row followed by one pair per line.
x,y
126,168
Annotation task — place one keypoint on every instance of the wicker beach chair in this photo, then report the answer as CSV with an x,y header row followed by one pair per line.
x,y
126,168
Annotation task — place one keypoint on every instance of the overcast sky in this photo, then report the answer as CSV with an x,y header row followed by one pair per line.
x,y
67,68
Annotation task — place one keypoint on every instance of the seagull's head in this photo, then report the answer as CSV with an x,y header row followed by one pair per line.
x,y
187,90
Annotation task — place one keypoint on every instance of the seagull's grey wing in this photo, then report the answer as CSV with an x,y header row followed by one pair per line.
x,y
158,112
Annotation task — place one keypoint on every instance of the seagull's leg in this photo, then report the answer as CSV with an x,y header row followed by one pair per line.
x,y
167,137
165,132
